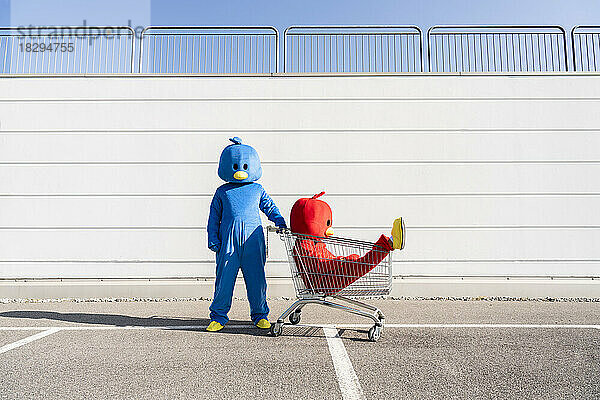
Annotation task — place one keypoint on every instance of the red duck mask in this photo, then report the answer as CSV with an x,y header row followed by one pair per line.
x,y
311,217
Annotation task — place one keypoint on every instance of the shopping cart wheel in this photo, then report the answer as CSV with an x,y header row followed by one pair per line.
x,y
295,318
276,329
374,333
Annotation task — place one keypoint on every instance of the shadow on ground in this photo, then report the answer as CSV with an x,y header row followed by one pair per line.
x,y
158,321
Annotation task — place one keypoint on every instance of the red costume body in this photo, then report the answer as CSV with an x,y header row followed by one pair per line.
x,y
320,269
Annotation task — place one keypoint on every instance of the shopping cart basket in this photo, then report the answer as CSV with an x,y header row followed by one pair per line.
x,y
360,269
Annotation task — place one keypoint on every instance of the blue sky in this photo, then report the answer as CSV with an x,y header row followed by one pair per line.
x,y
4,12
284,13
421,12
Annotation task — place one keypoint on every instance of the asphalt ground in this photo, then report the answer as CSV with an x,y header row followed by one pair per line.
x,y
428,350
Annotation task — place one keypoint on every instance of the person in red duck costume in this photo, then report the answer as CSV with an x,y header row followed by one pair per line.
x,y
321,270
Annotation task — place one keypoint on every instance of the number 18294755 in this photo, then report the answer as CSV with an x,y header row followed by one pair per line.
x,y
62,47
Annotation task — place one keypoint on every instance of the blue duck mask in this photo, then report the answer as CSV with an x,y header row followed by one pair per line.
x,y
239,163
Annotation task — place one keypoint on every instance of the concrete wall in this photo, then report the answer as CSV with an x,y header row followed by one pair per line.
x,y
111,177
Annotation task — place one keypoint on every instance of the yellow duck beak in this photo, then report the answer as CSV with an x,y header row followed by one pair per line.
x,y
329,232
240,175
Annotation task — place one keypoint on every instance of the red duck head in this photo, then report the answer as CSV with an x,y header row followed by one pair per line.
x,y
311,217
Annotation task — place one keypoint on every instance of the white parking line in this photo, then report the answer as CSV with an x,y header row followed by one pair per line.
x,y
523,326
28,339
347,379
339,326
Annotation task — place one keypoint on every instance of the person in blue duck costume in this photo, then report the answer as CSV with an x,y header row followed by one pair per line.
x,y
235,233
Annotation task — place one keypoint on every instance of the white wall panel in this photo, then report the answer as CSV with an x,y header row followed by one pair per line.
x,y
478,86
384,178
324,114
190,245
349,211
496,176
206,269
291,146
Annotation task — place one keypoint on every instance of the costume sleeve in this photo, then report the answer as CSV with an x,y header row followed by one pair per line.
x,y
268,207
214,222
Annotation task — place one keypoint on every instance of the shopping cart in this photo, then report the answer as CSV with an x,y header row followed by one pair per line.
x,y
331,282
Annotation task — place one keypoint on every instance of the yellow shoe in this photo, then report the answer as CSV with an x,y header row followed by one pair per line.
x,y
398,234
263,324
214,326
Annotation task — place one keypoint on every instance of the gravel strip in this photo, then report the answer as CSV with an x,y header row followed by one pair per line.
x,y
182,299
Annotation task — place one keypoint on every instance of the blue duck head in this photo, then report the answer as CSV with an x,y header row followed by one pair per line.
x,y
239,163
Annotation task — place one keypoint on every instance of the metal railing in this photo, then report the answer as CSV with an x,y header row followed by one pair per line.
x,y
66,50
209,50
353,49
585,41
506,48
306,49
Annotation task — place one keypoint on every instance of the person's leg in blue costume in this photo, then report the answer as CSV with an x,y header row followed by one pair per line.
x,y
228,265
253,268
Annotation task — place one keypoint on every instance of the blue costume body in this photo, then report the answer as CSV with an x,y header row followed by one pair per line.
x,y
235,232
